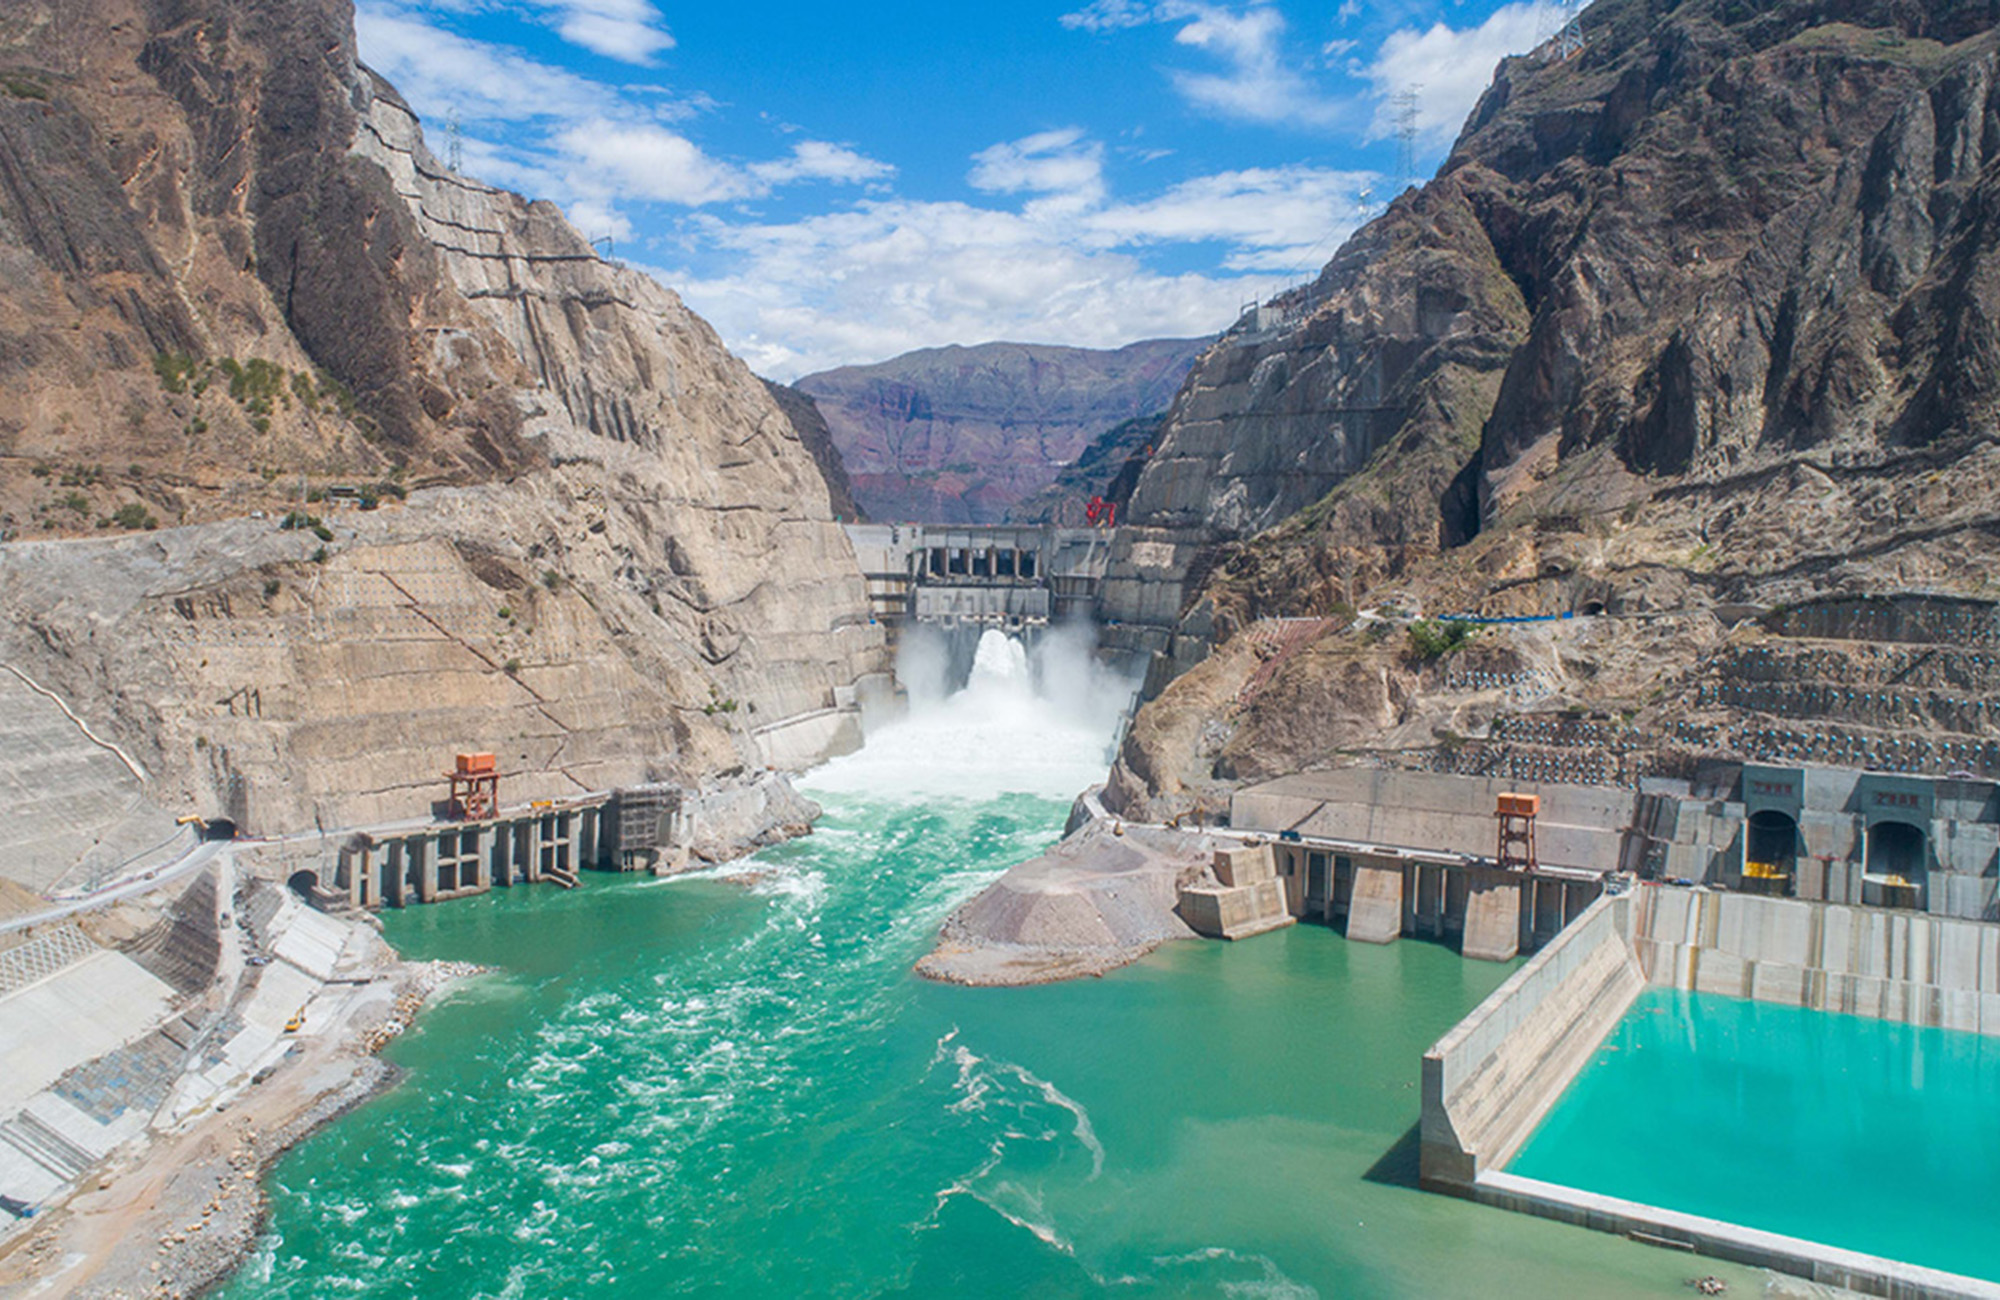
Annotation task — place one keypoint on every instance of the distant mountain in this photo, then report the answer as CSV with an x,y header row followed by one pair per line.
x,y
960,434
1108,467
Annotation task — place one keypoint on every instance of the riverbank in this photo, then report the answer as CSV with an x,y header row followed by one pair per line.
x,y
175,1214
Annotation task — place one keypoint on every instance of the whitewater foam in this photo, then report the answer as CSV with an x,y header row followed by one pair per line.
x,y
1035,724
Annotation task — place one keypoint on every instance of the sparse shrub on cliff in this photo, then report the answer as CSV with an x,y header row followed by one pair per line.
x,y
22,87
175,369
76,501
255,384
272,587
552,580
1434,640
133,516
513,667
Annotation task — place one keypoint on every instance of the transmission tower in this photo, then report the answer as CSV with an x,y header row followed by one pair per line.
x,y
1406,134
1569,37
454,143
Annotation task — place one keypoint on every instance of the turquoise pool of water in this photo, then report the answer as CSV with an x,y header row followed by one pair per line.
x,y
1864,1134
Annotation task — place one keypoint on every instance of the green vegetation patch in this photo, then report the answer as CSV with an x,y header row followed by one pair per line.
x,y
1430,639
23,85
176,370
133,516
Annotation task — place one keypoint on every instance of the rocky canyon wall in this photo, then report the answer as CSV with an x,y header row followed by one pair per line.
x,y
1700,318
376,463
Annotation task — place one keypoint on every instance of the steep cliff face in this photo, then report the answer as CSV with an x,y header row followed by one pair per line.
x,y
1703,315
811,427
560,521
959,435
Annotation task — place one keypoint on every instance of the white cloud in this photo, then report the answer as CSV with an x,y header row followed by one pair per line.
x,y
618,29
649,162
1258,82
438,71
816,160
1060,163
890,275
1109,15
1273,218
587,145
1449,67
894,275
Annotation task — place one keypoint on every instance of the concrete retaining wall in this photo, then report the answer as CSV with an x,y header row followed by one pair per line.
x,y
1491,1079
1893,965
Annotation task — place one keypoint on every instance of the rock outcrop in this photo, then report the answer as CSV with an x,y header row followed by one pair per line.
x,y
405,466
1699,319
960,434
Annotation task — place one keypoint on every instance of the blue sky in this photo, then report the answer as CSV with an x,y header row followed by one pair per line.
x,y
831,183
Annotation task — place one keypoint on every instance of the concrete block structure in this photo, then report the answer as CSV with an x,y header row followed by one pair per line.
x,y
433,863
1828,834
953,574
1245,899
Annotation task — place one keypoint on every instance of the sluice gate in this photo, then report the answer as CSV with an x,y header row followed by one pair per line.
x,y
639,828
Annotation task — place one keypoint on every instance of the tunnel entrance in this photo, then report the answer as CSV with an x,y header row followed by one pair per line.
x,y
1772,853
1898,863
218,828
303,883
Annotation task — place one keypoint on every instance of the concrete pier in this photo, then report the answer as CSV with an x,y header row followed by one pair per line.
x,y
1385,854
1246,898
1375,910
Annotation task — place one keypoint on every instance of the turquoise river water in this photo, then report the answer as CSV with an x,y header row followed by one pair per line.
x,y
732,1085
1873,1136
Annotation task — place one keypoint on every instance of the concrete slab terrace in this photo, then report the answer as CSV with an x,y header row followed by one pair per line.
x,y
75,802
75,1015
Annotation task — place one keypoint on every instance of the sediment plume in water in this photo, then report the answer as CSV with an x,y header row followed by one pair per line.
x,y
1025,720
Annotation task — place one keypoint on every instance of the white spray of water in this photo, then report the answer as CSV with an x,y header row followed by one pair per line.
x,y
1024,723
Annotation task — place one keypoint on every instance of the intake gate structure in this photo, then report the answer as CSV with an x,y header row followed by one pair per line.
x,y
990,574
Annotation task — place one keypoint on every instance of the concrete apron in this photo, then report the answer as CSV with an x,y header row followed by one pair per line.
x,y
1651,1225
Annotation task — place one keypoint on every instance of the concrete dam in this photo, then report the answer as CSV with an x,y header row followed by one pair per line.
x,y
981,575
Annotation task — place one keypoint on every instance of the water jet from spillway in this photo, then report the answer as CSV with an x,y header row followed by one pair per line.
x,y
1022,719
